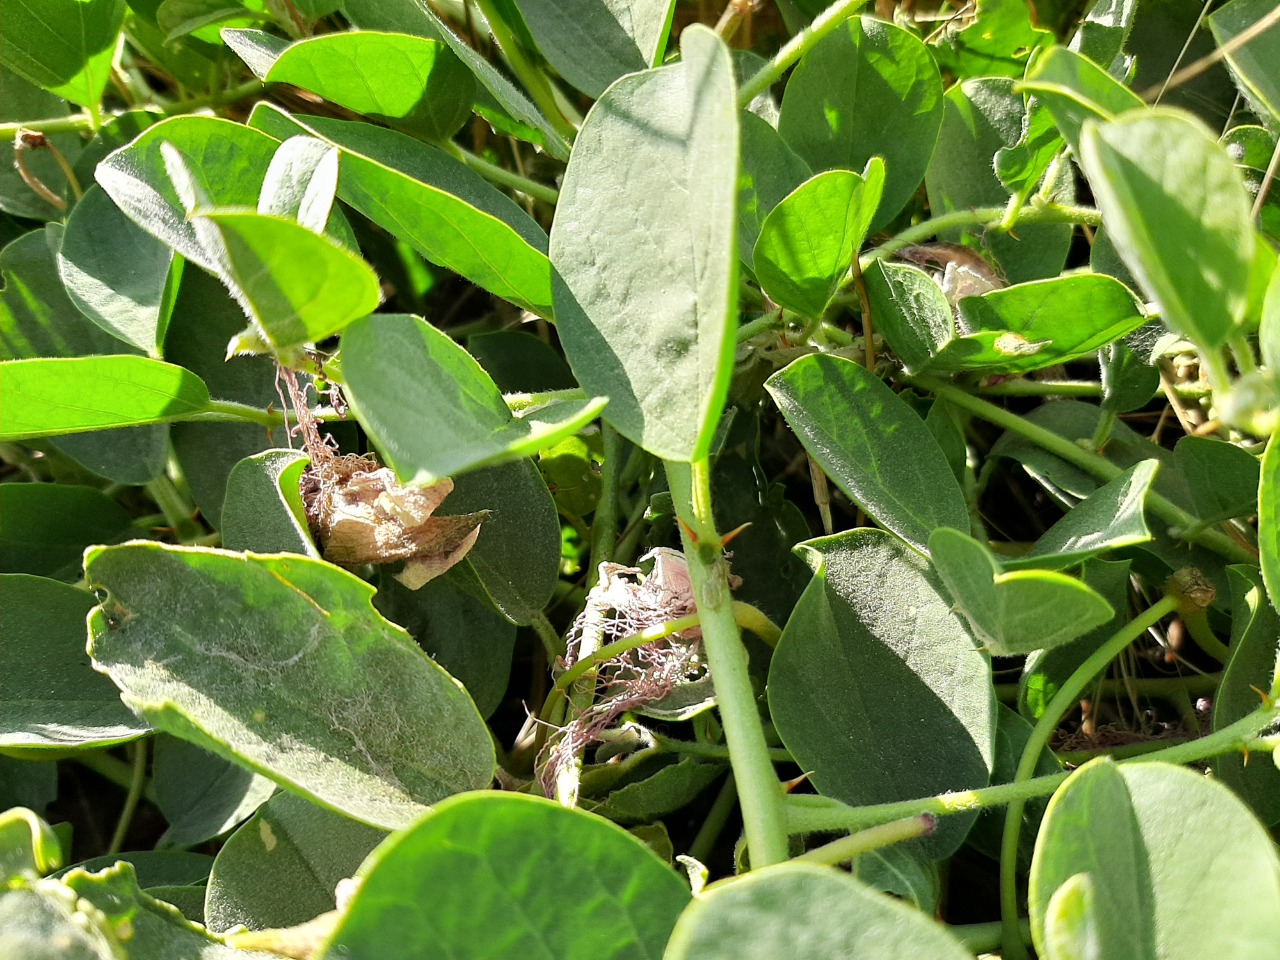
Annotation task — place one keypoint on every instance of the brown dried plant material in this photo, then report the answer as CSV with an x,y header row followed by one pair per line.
x,y
360,513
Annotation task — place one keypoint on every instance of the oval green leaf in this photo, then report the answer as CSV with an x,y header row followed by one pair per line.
x,y
280,663
483,861
1176,208
808,240
799,910
643,248
1159,890
44,527
432,411
876,686
64,46
201,794
871,444
264,511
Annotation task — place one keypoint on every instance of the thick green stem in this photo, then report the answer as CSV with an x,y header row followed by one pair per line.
x,y
1062,701
873,838
178,511
1183,525
985,217
796,48
758,788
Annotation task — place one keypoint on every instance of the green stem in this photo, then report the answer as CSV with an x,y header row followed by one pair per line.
x,y
984,217
137,784
810,813
1160,687
534,80
521,402
551,640
178,512
984,938
1183,525
1062,701
1197,624
717,817
604,526
712,751
762,324
796,48
504,177
873,838
228,411
759,792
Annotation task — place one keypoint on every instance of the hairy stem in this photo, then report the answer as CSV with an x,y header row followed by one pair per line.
x,y
797,47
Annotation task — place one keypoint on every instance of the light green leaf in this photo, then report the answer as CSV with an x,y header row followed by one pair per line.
x,y
426,197
643,247
432,411
298,286
1253,64
593,44
281,867
1176,209
51,397
1158,890
800,910
52,697
226,160
258,49
871,444
807,241
1269,519
1016,612
301,182
264,511
65,46
482,861
408,82
115,272
309,686
867,89
1075,89
29,849
876,686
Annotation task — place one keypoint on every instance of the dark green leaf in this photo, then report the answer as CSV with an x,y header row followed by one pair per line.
x,y
867,89
52,697
1177,211
408,82
1128,382
432,411
800,910
807,240
871,444
44,527
309,685
431,200
20,102
910,311
201,794
519,362
768,171
153,867
667,791
1223,478
998,42
281,867
894,870
656,337
877,687
65,46
264,511
483,861
1135,833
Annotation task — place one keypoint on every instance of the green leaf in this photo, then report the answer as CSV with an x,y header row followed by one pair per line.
x,y
115,272
980,118
656,338
65,46
800,910
876,686
52,696
44,527
519,362
226,160
432,411
29,850
301,183
1223,478
807,240
298,286
460,630
201,794
768,171
1035,325
1002,36
893,870
668,790
264,511
1255,657
483,860
1137,832
352,713
1102,33
19,103
49,397
1109,518
1176,209
1269,520
408,82
871,444
1015,612
910,311
593,44
1075,89
33,918
426,197
1252,64
516,558
258,49
153,867
867,89
281,867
